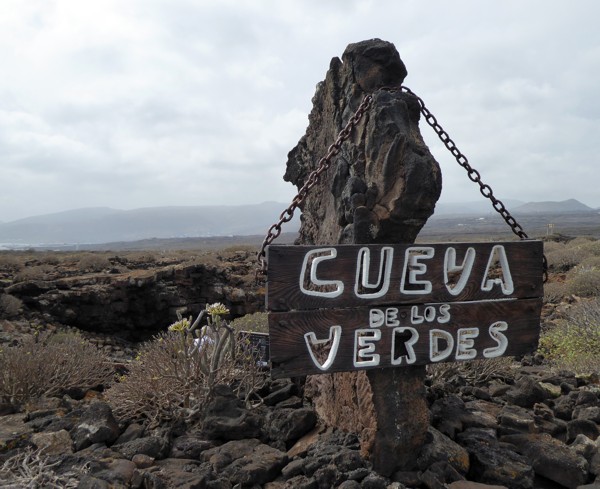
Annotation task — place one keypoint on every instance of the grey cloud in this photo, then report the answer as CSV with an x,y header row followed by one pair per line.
x,y
192,102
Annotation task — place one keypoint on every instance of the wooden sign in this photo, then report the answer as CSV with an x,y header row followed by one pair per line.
x,y
353,307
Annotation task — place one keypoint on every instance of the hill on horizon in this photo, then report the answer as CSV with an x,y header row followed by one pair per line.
x,y
104,224
100,225
564,207
484,206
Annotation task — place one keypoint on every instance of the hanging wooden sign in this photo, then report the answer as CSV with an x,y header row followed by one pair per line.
x,y
353,307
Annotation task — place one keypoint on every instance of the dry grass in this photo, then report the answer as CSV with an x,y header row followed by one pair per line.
x,y
555,292
475,372
47,365
173,377
584,281
564,256
34,273
93,262
33,469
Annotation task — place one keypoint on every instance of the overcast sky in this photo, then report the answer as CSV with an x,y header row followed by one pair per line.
x,y
142,103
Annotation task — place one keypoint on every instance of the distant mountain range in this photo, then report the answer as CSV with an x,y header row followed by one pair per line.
x,y
105,225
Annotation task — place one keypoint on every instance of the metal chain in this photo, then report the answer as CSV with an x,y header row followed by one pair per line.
x,y
313,179
324,163
473,174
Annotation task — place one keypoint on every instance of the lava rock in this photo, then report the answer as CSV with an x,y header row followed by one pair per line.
x,y
582,427
227,418
290,424
443,449
246,461
495,463
551,459
97,425
526,392
153,446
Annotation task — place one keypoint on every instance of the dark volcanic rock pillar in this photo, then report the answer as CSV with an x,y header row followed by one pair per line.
x,y
381,188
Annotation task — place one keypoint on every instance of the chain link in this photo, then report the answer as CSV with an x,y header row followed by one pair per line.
x,y
473,174
462,160
324,163
312,180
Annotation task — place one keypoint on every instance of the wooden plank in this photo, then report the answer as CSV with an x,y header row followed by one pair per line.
x,y
376,337
409,274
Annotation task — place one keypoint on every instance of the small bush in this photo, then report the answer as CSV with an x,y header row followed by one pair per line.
x,y
41,366
584,281
240,251
33,469
10,306
581,241
591,262
593,247
10,262
93,263
554,292
51,258
551,246
563,259
475,372
588,246
33,273
175,374
142,258
573,343
257,322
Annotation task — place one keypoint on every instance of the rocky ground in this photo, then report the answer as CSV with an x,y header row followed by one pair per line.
x,y
513,424
522,427
125,296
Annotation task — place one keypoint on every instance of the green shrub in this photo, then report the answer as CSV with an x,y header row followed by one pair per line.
x,y
573,343
40,366
257,322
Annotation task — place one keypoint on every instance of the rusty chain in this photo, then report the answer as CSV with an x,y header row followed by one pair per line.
x,y
473,174
324,163
313,178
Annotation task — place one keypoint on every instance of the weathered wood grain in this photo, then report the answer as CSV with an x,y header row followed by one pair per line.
x,y
285,269
290,351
